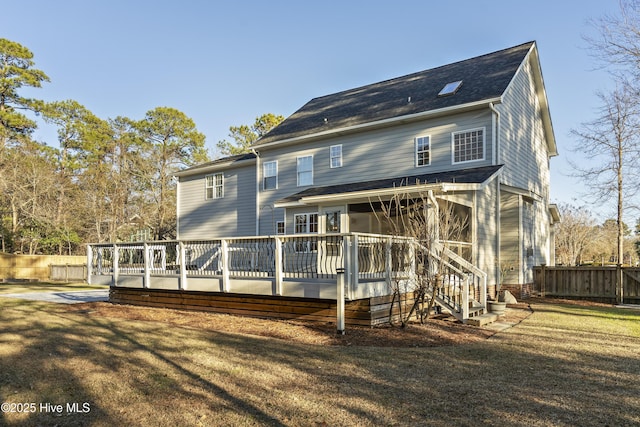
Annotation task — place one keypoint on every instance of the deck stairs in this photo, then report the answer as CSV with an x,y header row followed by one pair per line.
x,y
449,298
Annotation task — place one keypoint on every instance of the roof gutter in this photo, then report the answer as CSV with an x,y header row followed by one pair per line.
x,y
354,196
212,168
386,122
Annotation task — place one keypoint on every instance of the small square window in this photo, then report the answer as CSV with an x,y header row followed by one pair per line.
x,y
280,227
468,146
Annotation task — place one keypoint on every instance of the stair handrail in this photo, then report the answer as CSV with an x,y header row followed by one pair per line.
x,y
439,251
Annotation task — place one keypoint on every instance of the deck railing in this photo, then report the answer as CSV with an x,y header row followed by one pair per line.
x,y
285,265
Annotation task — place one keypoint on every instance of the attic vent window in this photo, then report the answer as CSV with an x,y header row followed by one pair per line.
x,y
450,88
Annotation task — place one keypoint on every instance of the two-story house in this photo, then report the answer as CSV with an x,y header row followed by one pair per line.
x,y
476,133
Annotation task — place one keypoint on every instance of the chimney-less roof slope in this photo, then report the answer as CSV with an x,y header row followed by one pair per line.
x,y
484,77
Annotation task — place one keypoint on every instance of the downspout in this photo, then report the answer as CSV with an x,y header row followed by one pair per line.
x,y
495,123
257,191
495,133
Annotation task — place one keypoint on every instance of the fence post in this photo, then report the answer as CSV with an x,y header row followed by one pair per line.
x,y
89,263
340,301
543,280
278,267
225,265
619,284
183,266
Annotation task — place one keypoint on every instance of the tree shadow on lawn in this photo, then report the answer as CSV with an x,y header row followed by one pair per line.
x,y
146,373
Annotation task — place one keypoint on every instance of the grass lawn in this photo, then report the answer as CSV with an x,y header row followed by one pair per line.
x,y
564,365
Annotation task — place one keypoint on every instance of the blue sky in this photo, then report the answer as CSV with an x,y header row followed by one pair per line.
x,y
225,63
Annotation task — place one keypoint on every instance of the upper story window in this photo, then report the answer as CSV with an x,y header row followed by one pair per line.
x,y
214,186
423,151
280,227
468,146
270,175
305,170
336,156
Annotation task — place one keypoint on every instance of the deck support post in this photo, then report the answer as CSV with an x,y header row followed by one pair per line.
x,y
350,249
183,266
225,265
465,299
340,301
388,261
483,290
116,265
147,266
278,267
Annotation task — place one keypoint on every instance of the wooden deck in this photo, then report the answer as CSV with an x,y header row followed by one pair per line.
x,y
363,312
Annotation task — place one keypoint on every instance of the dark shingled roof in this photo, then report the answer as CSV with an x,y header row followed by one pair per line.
x,y
484,77
463,176
229,159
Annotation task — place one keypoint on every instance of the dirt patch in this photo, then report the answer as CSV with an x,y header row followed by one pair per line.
x,y
438,331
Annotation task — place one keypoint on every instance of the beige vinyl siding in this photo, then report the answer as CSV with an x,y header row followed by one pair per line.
x,y
486,231
510,243
231,215
523,146
378,154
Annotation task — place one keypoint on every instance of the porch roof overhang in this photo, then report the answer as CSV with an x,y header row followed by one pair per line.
x,y
357,192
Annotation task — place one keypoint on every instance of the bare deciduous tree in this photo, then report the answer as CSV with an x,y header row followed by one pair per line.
x,y
422,229
611,145
575,234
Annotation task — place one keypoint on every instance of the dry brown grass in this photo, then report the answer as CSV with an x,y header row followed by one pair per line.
x,y
564,365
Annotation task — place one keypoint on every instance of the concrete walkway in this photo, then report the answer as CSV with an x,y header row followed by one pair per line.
x,y
71,297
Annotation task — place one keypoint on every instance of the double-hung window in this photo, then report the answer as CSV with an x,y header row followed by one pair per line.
x,y
214,186
305,170
423,151
468,146
335,155
304,224
270,175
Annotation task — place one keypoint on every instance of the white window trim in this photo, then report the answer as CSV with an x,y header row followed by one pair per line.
x,y
306,246
264,176
484,145
213,186
416,150
298,171
331,157
284,227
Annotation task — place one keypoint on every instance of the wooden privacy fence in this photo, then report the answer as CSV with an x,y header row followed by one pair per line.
x,y
34,267
604,284
68,272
